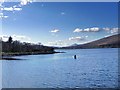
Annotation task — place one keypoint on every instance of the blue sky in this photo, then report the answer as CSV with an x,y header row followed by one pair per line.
x,y
60,24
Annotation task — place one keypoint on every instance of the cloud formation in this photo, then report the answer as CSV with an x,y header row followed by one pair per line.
x,y
25,2
55,31
17,7
3,16
114,30
106,29
2,1
68,41
58,43
97,29
21,38
11,9
93,29
76,38
111,30
77,30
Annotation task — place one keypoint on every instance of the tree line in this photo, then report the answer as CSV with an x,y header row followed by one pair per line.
x,y
17,46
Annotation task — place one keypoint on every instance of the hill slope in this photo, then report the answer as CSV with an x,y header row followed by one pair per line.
x,y
107,42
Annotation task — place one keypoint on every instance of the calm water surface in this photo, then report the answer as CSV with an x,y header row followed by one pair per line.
x,y
93,68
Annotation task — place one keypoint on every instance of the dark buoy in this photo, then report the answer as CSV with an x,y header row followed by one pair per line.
x,y
75,57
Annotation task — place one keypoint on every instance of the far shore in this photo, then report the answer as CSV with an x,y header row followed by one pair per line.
x,y
10,55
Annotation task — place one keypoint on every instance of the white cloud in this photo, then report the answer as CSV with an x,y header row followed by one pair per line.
x,y
51,43
11,9
2,1
55,31
25,2
87,30
57,43
68,41
4,37
94,29
114,30
106,29
21,38
17,9
8,8
111,30
14,6
76,38
3,16
77,30
1,9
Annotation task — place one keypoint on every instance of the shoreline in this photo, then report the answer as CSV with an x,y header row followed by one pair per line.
x,y
86,48
10,56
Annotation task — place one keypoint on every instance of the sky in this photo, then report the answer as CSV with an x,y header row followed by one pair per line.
x,y
58,23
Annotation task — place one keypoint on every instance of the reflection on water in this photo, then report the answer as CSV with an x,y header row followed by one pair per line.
x,y
92,68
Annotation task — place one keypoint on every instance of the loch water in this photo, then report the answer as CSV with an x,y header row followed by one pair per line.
x,y
93,68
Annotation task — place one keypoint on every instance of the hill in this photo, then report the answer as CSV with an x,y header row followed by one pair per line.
x,y
107,42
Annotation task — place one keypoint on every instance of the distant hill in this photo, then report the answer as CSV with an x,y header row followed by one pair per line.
x,y
107,42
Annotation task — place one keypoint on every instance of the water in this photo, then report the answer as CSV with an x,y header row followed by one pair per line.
x,y
93,68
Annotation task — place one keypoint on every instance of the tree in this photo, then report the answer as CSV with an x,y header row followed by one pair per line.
x,y
10,39
10,44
